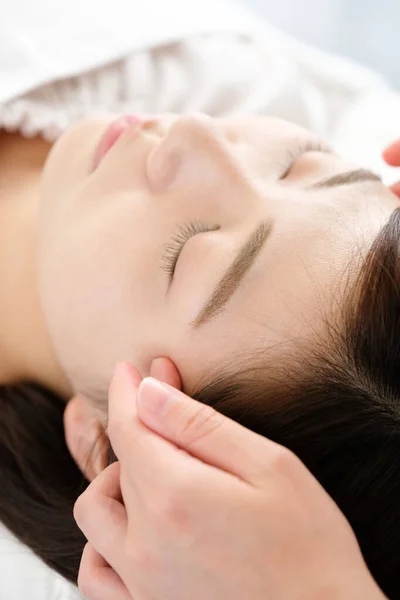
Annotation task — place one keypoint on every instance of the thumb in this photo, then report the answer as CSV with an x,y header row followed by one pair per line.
x,y
202,431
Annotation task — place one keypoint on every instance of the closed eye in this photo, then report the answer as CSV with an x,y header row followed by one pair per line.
x,y
173,249
298,149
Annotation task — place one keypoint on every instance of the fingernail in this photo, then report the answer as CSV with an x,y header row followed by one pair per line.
x,y
153,395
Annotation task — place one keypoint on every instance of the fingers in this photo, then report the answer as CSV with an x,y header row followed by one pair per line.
x,y
147,460
123,426
97,580
122,421
203,432
164,370
392,154
101,516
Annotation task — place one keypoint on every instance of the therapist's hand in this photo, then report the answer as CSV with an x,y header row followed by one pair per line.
x,y
391,156
199,507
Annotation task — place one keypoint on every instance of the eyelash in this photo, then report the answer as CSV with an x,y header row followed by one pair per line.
x,y
186,231
173,249
297,150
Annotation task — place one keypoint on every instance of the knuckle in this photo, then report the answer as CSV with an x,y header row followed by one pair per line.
x,y
86,583
200,425
87,586
284,460
83,582
79,510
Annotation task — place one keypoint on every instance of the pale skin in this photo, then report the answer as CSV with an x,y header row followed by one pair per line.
x,y
199,507
82,250
118,560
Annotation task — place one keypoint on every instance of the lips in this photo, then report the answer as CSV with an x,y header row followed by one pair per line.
x,y
112,134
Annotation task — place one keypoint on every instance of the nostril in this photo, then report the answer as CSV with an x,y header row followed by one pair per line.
x,y
148,124
159,124
152,125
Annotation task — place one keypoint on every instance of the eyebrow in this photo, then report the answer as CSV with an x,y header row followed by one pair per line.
x,y
347,178
235,274
253,245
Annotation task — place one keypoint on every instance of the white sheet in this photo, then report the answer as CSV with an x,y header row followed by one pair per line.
x,y
23,576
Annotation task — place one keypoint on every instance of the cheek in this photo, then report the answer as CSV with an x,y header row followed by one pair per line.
x,y
82,309
97,300
71,159
102,298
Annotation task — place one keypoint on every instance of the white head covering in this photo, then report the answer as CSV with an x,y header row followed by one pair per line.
x,y
46,40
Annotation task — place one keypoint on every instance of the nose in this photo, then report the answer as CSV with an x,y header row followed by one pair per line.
x,y
199,132
158,124
194,151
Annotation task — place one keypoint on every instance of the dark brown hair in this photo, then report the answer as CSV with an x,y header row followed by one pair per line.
x,y
39,481
338,409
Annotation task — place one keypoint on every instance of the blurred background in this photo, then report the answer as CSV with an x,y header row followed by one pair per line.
x,y
365,30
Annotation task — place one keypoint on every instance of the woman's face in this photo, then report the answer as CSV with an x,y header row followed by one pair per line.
x,y
266,220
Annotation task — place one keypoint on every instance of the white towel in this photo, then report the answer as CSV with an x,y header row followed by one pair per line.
x,y
23,576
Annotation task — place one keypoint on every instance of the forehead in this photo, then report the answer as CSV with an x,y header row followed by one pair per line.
x,y
265,124
294,289
313,249
269,134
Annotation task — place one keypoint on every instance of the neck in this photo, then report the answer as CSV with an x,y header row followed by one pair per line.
x,y
26,353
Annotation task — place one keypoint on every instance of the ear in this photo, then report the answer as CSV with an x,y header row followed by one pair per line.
x,y
85,437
